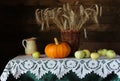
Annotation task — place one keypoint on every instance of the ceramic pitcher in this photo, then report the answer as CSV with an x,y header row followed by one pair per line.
x,y
29,45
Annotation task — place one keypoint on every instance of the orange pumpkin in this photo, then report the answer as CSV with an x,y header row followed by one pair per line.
x,y
57,50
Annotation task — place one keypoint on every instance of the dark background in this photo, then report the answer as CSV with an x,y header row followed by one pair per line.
x,y
17,22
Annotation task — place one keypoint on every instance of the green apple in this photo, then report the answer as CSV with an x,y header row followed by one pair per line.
x,y
102,52
99,51
87,53
94,55
36,54
111,54
79,54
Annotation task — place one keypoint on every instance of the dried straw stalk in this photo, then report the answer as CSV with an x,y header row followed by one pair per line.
x,y
67,17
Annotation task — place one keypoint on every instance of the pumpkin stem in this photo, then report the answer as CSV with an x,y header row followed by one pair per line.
x,y
56,41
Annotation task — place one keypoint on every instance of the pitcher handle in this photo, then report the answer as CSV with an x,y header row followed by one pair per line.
x,y
23,43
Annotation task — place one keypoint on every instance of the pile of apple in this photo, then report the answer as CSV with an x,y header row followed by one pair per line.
x,y
85,53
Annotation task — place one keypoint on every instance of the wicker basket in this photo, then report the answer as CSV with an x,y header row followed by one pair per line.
x,y
72,37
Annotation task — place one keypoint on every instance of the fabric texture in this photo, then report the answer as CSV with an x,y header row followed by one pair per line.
x,y
60,67
71,76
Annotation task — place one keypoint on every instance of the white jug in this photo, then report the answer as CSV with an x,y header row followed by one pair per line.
x,y
29,45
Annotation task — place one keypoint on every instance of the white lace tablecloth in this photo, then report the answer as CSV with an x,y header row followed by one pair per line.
x,y
22,64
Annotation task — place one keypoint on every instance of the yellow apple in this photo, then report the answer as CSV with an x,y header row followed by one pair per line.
x,y
79,54
94,55
111,54
87,53
99,51
102,52
36,54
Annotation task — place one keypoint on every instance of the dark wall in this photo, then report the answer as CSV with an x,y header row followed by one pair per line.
x,y
17,21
